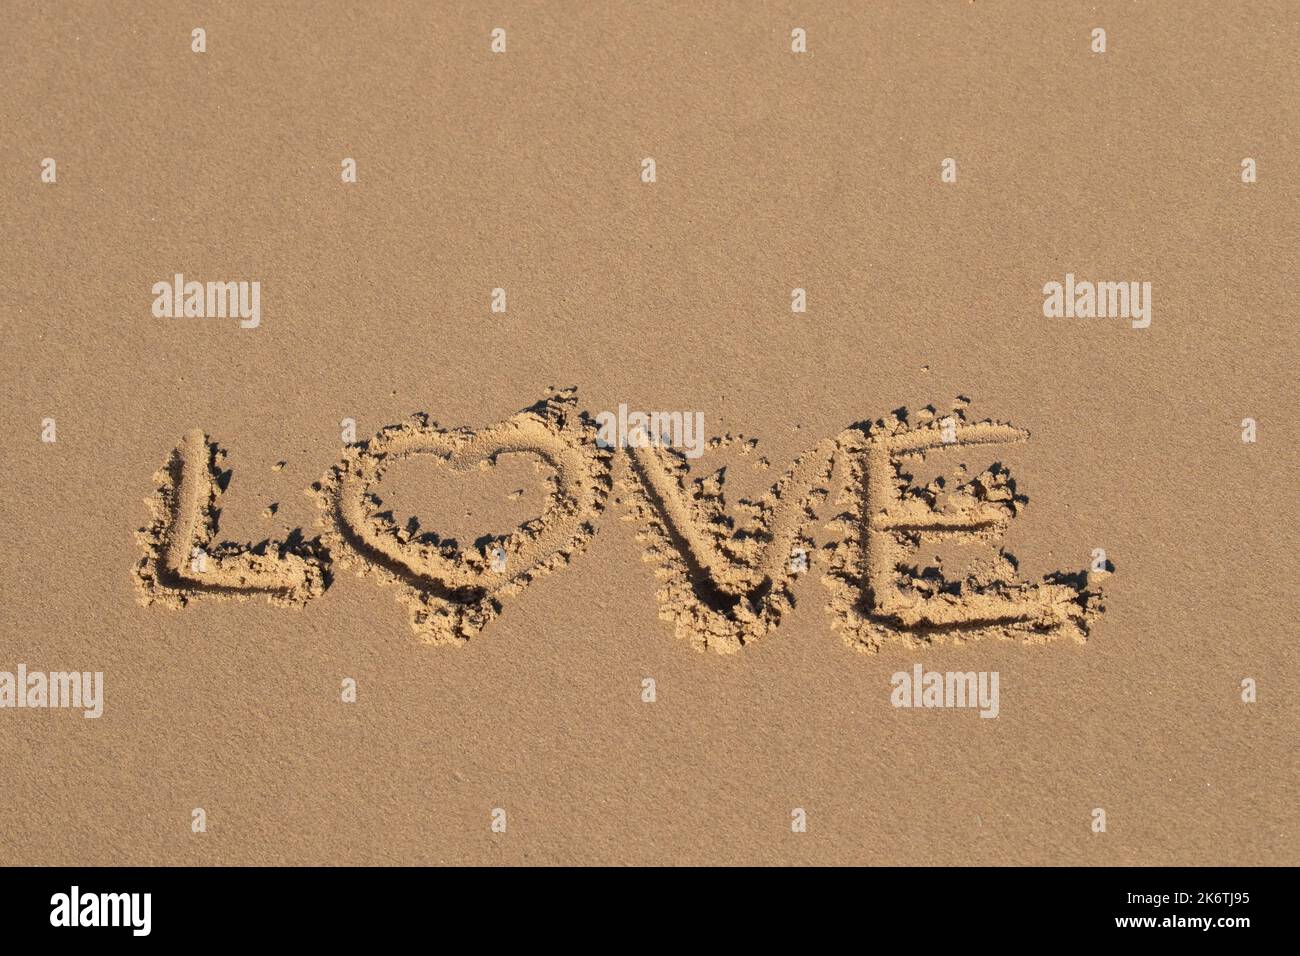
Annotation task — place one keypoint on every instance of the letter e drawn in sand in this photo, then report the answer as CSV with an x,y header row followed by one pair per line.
x,y
181,561
878,594
453,593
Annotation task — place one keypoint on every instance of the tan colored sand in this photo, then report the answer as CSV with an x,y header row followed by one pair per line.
x,y
775,171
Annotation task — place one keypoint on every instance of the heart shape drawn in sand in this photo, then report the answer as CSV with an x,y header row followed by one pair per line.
x,y
451,593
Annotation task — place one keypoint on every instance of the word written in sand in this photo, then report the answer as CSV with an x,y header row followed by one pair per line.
x,y
726,574
213,300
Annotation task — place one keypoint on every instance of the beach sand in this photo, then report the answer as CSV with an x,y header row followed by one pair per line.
x,y
394,487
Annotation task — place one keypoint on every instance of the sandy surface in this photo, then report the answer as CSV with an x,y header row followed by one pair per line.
x,y
522,690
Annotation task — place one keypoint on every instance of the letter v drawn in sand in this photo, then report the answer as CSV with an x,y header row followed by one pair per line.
x,y
725,581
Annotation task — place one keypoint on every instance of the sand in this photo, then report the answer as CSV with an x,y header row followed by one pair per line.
x,y
362,582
